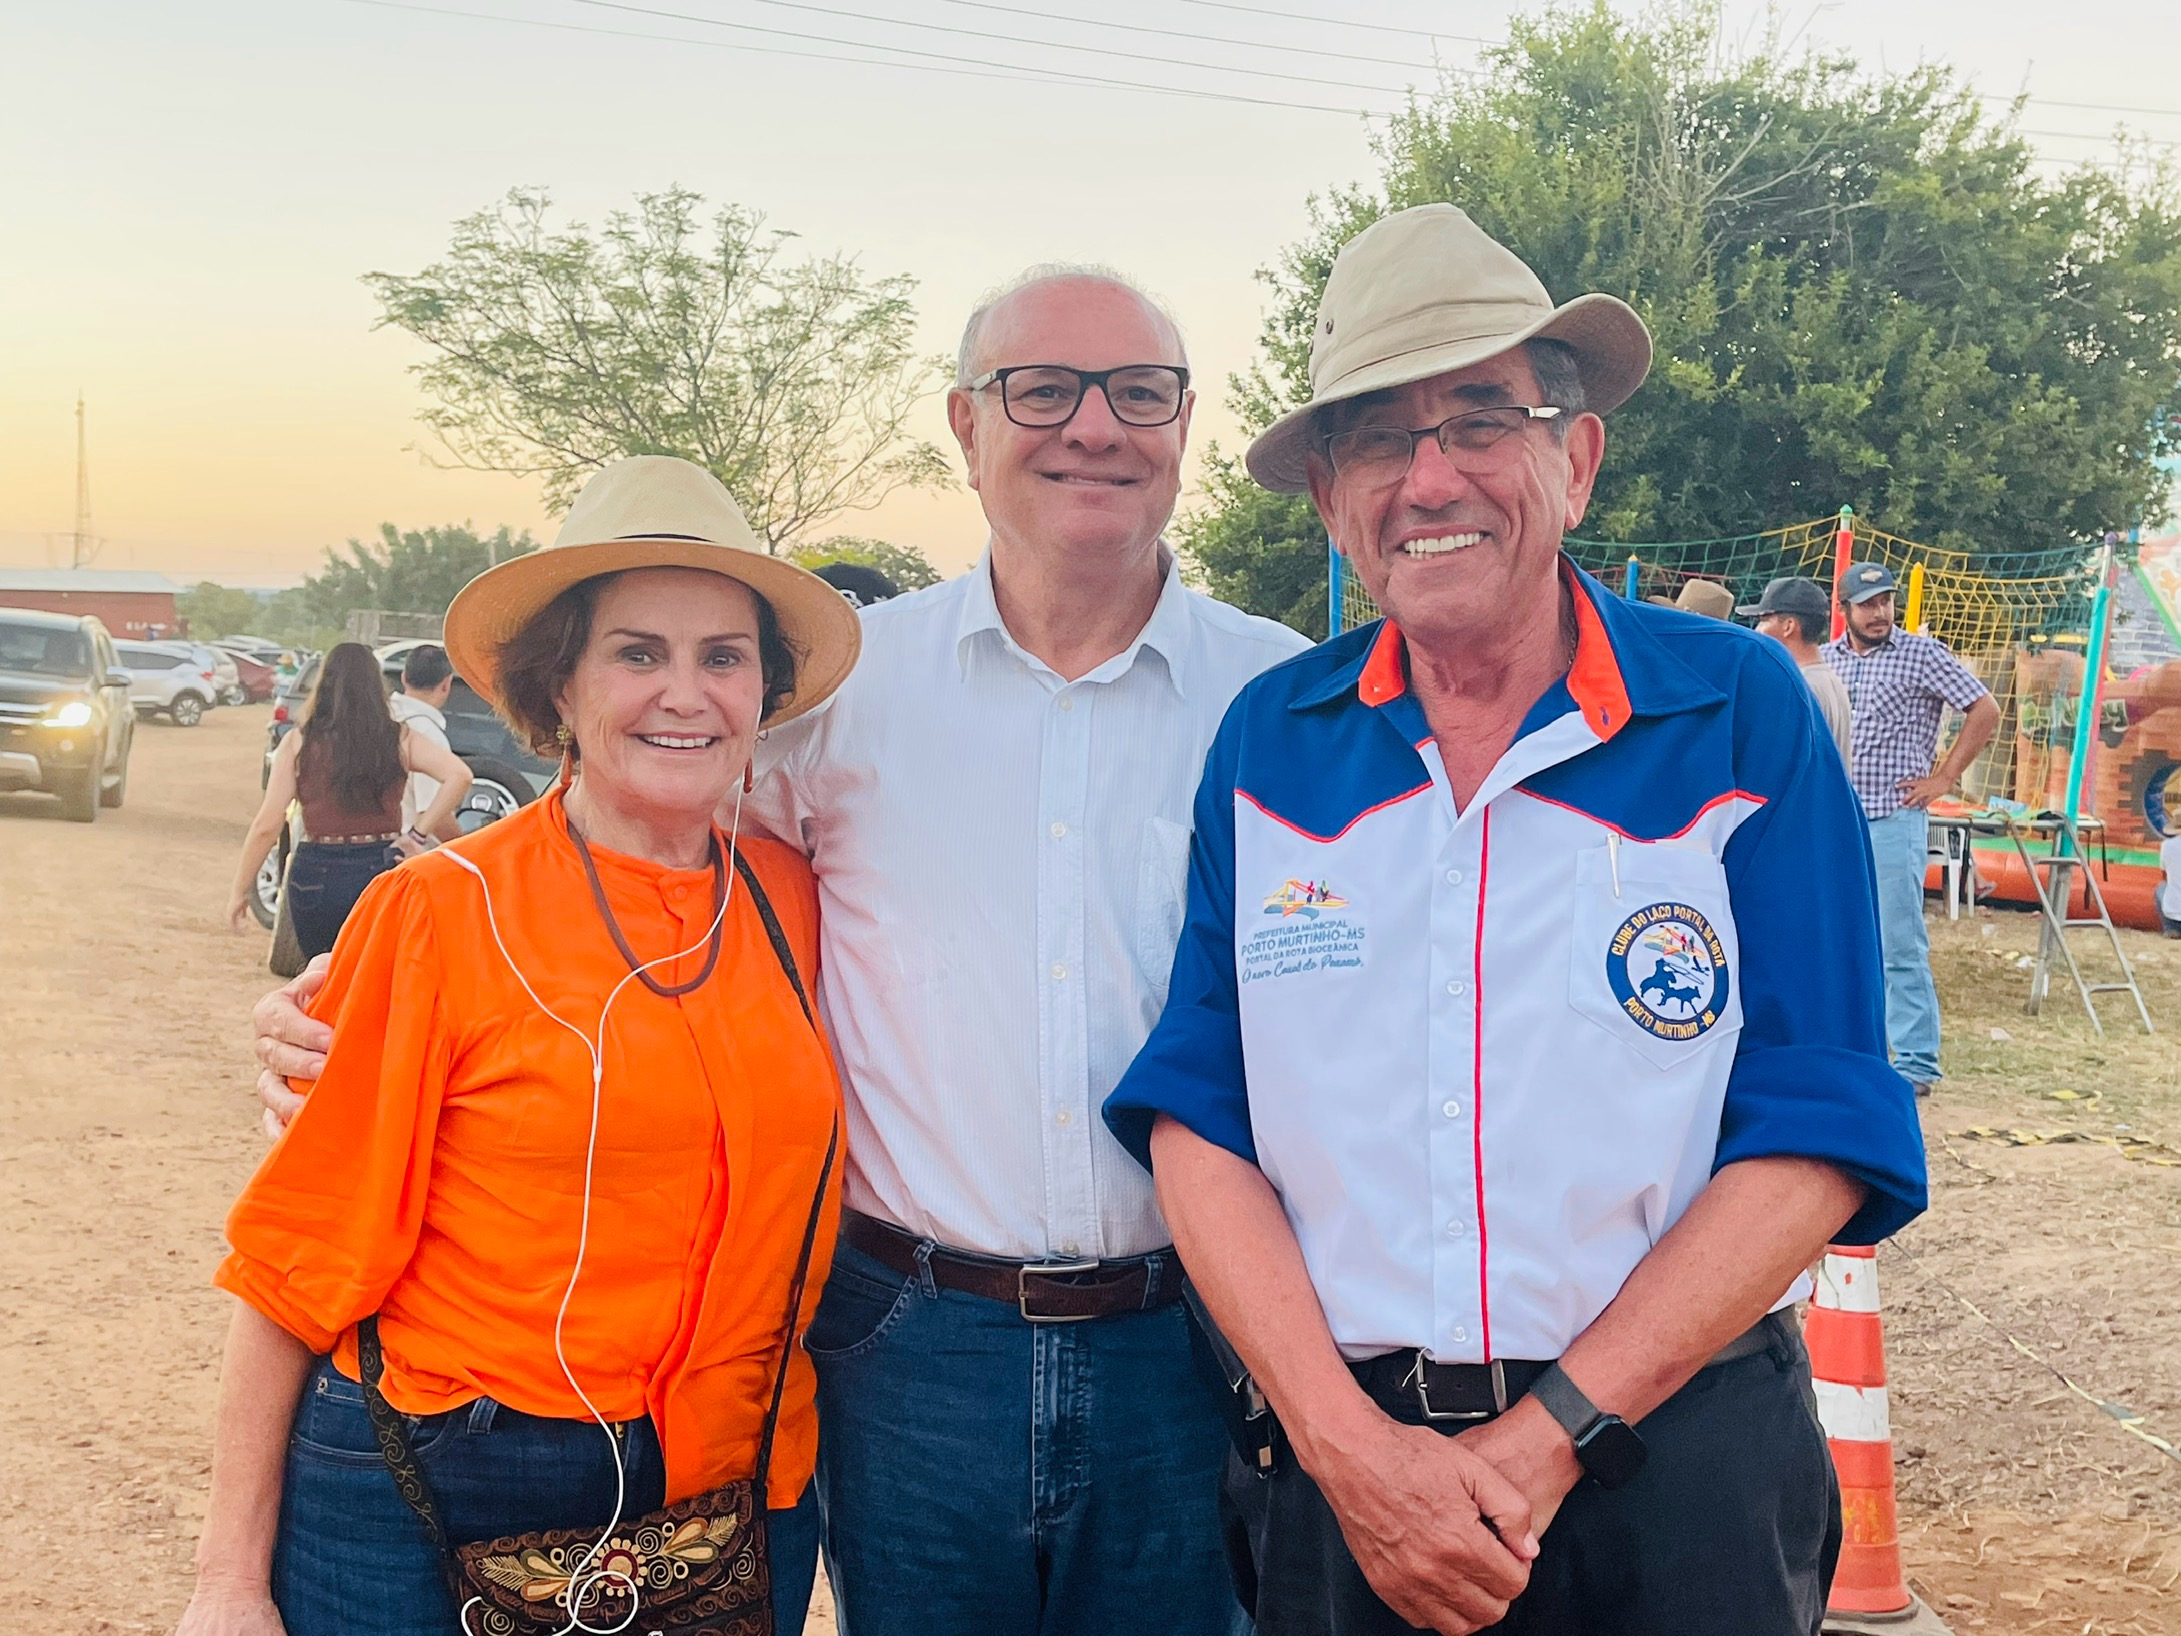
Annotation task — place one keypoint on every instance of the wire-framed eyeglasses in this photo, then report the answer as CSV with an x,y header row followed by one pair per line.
x,y
1048,395
1475,439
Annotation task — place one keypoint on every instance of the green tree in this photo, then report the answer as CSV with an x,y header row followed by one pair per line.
x,y
907,567
1861,287
211,610
555,352
403,571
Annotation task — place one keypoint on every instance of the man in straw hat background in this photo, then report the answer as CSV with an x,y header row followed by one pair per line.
x,y
996,806
1495,1107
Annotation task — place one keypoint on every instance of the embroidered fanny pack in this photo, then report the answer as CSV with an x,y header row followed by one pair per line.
x,y
699,1567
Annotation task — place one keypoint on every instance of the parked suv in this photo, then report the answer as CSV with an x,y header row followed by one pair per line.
x,y
65,724
169,681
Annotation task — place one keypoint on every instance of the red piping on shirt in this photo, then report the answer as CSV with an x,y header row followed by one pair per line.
x,y
1476,1087
1603,823
1390,801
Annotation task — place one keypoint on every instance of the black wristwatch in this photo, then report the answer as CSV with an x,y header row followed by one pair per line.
x,y
1608,1447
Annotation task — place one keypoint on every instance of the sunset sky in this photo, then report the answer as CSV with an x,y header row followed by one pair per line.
x,y
188,195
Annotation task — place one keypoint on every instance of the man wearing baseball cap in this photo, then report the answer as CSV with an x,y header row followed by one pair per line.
x,y
1795,613
1495,1106
1900,685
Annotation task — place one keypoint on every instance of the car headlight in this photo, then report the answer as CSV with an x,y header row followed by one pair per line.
x,y
75,713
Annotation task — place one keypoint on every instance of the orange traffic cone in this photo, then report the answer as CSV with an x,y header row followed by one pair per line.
x,y
1848,1366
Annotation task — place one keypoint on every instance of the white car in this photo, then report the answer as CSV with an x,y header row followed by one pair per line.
x,y
169,679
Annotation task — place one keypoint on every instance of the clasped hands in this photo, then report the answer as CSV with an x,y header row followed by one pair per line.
x,y
1446,1528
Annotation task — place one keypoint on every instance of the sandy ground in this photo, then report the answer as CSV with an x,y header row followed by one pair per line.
x,y
127,1123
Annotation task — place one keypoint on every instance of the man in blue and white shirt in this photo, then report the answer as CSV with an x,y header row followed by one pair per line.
x,y
1499,1092
1900,686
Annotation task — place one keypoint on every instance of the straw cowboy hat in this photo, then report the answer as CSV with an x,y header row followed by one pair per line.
x,y
1426,291
654,511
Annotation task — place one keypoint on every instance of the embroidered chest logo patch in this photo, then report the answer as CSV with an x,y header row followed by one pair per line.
x,y
1310,930
1668,970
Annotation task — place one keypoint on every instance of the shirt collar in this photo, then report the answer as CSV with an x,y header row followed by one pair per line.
x,y
1165,633
1620,669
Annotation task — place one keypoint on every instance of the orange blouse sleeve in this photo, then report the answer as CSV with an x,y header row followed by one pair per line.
x,y
331,1217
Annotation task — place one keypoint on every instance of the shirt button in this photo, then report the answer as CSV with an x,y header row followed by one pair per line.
x,y
1453,1110
1453,877
1069,1248
1460,1334
1058,830
1060,972
1453,1229
1067,701
1066,1117
1456,989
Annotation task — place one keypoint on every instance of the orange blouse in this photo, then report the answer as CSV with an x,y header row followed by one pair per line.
x,y
435,1173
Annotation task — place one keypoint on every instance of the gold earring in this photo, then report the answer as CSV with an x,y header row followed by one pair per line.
x,y
562,736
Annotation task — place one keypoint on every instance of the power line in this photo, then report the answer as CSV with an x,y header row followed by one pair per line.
x,y
2088,107
1146,28
970,67
1344,22
970,33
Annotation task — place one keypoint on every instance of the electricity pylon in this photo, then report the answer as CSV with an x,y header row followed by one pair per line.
x,y
82,547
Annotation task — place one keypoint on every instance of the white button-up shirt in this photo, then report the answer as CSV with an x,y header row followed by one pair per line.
x,y
1002,865
1488,1056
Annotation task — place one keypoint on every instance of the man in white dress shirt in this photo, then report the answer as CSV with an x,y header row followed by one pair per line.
x,y
997,806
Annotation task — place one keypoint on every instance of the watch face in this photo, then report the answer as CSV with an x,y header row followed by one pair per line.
x,y
1611,1452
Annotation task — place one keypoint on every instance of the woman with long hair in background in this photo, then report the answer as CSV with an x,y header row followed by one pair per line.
x,y
348,763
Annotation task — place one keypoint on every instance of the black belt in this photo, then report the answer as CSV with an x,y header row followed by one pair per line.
x,y
1405,1382
1044,1292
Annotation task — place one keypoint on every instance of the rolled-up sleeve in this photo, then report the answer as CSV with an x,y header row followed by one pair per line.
x,y
332,1215
1811,1077
1191,1067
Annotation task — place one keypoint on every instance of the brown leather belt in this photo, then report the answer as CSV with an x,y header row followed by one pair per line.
x,y
352,840
1044,1292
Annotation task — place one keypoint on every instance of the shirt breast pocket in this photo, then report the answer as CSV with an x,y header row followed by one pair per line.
x,y
1654,960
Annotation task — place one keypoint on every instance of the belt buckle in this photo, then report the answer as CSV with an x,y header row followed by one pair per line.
x,y
1421,1382
1046,1269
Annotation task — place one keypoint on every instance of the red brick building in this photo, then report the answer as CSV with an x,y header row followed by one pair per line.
x,y
134,605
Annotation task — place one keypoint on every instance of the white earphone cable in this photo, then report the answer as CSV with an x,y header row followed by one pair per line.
x,y
583,1584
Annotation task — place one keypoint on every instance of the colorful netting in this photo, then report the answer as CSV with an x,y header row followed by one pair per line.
x,y
2017,619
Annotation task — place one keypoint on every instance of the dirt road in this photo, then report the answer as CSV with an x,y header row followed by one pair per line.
x,y
126,1125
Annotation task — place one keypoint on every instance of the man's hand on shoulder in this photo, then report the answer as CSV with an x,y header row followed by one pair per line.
x,y
290,1044
1445,1539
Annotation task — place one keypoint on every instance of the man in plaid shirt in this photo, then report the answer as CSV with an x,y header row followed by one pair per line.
x,y
1899,685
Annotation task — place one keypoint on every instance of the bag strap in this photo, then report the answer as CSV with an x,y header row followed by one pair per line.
x,y
775,936
795,1307
393,1434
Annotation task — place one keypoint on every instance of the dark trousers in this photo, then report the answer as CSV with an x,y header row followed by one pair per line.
x,y
1732,1528
324,883
351,1558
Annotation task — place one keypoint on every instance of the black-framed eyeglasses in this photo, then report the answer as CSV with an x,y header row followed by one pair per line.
x,y
1383,454
1048,395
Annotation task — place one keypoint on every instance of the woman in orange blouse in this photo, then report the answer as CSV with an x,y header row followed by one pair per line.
x,y
464,1154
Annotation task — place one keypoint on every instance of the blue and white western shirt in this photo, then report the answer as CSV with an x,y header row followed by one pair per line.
x,y
1488,1057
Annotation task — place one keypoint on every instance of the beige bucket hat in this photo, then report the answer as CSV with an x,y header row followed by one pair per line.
x,y
1424,291
655,511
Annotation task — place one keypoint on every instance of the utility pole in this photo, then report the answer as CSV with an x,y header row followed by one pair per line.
x,y
82,547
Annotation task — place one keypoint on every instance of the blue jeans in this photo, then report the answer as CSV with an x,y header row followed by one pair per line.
x,y
984,1474
324,883
351,1558
1899,843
